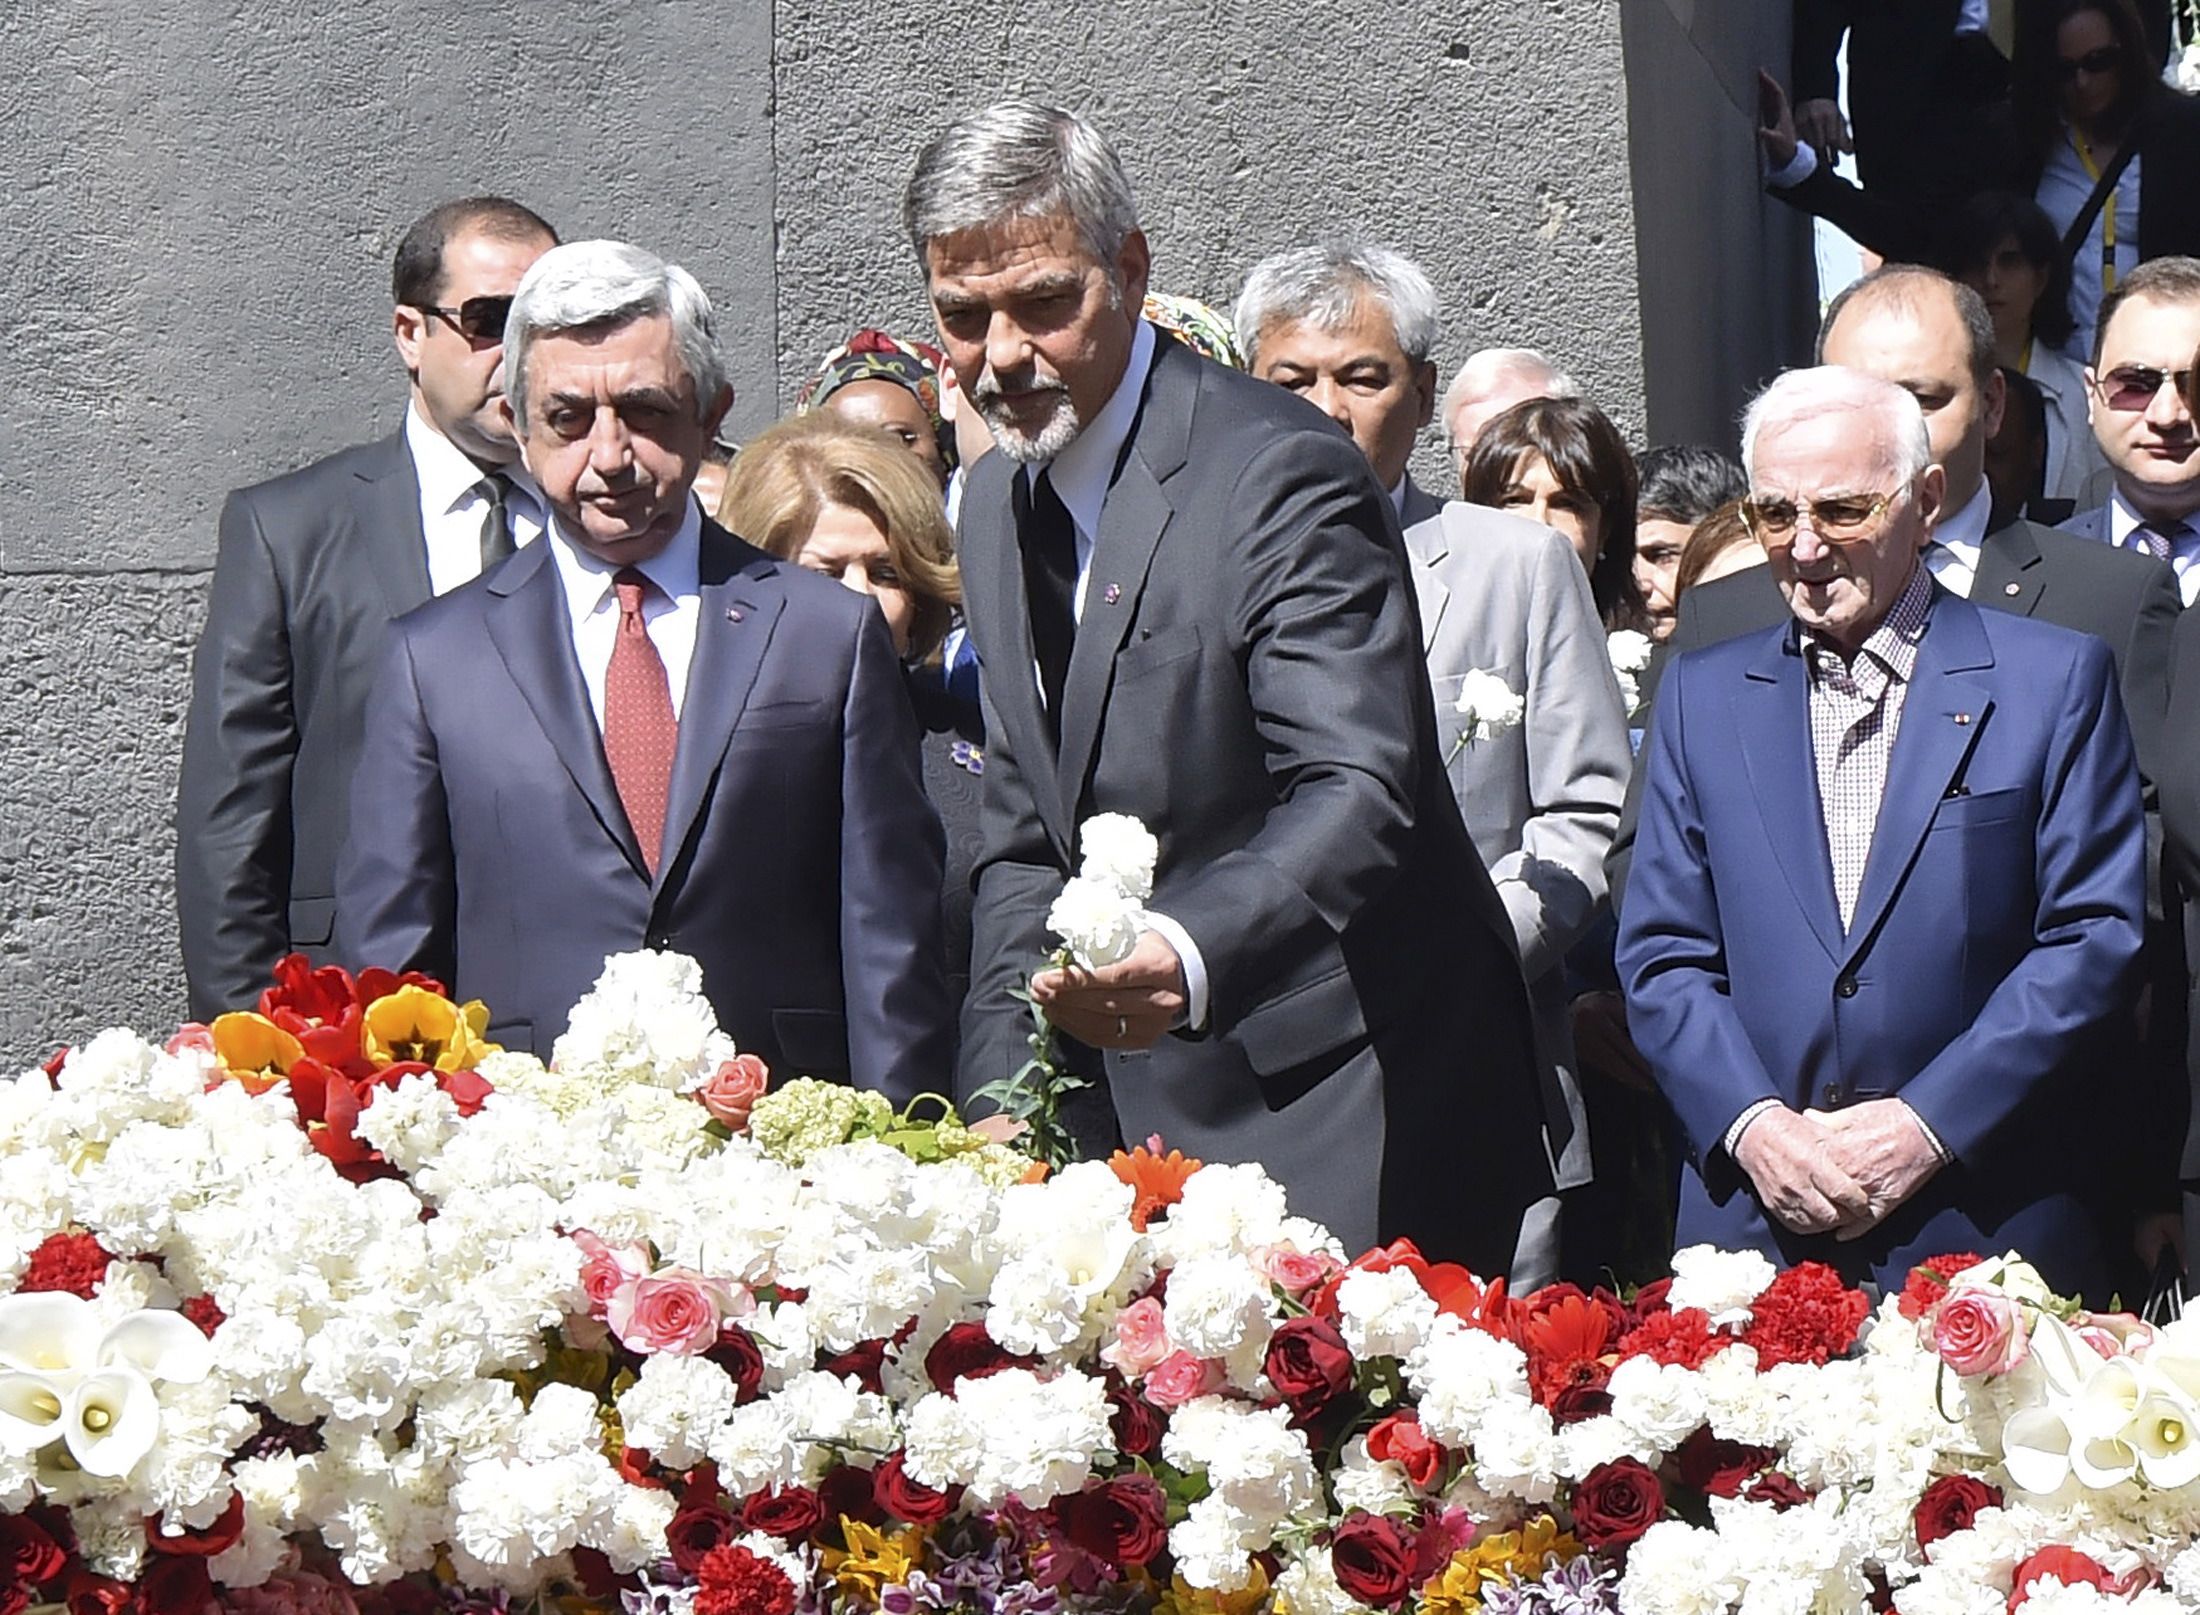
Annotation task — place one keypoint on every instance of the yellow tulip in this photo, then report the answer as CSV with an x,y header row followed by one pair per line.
x,y
254,1050
415,1024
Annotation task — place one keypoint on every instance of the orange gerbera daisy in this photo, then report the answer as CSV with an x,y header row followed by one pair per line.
x,y
1156,1179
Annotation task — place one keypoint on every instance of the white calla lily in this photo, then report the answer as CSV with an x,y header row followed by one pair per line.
x,y
48,1332
111,1422
2103,1461
2035,1450
161,1345
2165,1432
31,1410
64,1380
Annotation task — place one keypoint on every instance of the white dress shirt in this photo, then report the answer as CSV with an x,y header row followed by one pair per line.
x,y
452,505
2184,558
1952,556
670,611
2064,186
1081,475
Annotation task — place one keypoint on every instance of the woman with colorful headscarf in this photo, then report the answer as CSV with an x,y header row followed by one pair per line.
x,y
882,381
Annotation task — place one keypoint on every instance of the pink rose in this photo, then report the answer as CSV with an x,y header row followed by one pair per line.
x,y
733,1090
1981,1332
1141,1339
1179,1377
2113,1334
191,1036
606,1269
1293,1271
675,1309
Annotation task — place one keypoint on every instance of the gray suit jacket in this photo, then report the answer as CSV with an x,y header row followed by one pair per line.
x,y
1541,800
311,568
801,864
1247,680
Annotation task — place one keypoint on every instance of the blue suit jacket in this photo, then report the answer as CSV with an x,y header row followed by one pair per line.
x,y
801,865
1994,942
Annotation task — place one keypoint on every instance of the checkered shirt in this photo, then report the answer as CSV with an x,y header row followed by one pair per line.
x,y
1855,711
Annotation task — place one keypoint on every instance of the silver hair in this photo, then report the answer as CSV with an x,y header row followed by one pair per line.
x,y
1322,285
1801,395
1482,372
588,285
1019,159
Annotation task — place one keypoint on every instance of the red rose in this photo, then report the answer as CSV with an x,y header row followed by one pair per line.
x,y
87,1594
174,1585
1370,1557
1949,1505
736,1353
1309,1364
1719,1468
734,1581
1401,1440
28,1553
966,1351
906,1498
1783,1492
866,1360
1807,1316
1125,1521
201,1544
789,1512
1574,1403
697,1528
15,1597
1616,1502
2066,1565
75,1263
1136,1422
850,1493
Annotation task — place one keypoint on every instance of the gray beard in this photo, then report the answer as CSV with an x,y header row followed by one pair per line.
x,y
1051,439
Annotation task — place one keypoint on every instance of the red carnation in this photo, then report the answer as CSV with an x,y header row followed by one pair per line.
x,y
1783,1492
206,1312
1949,1505
734,1581
697,1528
906,1498
1371,1559
1136,1422
737,1354
72,1262
1309,1364
1719,1468
2066,1565
1400,1439
1123,1521
1928,1283
966,1351
1616,1502
29,1555
205,1542
1807,1316
787,1512
1684,1339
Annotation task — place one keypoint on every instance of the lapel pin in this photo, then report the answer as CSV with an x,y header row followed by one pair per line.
x,y
1963,718
1112,593
2009,588
733,613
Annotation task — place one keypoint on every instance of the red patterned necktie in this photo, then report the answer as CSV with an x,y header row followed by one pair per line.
x,y
639,730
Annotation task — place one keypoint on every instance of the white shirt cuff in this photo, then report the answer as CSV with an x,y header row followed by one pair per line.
x,y
1946,1155
1741,1123
1799,168
1195,968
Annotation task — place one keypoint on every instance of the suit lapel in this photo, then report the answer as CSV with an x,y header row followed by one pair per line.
x,y
740,604
387,509
2010,577
1131,524
993,578
530,628
1428,546
1944,712
1772,726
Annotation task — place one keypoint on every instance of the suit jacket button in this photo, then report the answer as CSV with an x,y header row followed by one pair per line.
x,y
1845,986
1834,1095
660,939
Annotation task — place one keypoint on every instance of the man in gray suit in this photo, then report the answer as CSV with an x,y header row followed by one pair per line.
x,y
1191,601
310,570
2142,359
644,732
1350,328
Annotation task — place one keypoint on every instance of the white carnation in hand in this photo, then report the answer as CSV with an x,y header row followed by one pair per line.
x,y
1487,706
1630,653
1097,923
1119,852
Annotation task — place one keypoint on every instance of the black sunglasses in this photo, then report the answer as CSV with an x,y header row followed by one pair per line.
x,y
2096,62
478,319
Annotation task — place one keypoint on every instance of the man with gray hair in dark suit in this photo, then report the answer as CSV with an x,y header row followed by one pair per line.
x,y
1191,600
311,568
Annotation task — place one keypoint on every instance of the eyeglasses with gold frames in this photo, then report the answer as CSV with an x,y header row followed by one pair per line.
x,y
1840,518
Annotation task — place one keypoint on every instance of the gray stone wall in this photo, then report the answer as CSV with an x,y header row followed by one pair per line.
x,y
200,217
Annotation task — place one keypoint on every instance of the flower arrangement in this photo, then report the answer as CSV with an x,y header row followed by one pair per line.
x,y
639,1332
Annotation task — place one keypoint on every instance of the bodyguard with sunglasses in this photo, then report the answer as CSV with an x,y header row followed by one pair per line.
x,y
2142,364
1889,888
311,568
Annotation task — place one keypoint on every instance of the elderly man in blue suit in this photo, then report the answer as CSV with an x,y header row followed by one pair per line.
x,y
645,732
1889,885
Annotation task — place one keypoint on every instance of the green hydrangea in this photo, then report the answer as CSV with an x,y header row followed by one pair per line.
x,y
792,1123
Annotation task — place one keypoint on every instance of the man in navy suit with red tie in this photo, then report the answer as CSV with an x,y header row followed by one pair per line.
x,y
644,732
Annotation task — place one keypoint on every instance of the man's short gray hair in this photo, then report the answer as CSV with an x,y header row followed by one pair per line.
x,y
596,285
1019,159
1801,395
1488,368
1321,286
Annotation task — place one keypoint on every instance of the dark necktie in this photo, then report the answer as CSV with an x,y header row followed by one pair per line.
x,y
496,531
640,733
2161,537
1048,539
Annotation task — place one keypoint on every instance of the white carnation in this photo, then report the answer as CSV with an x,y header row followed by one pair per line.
x,y
1723,1284
1097,923
1459,1373
1487,706
1661,1402
1119,852
1218,1307
1516,1452
1384,1314
675,1405
1675,1569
